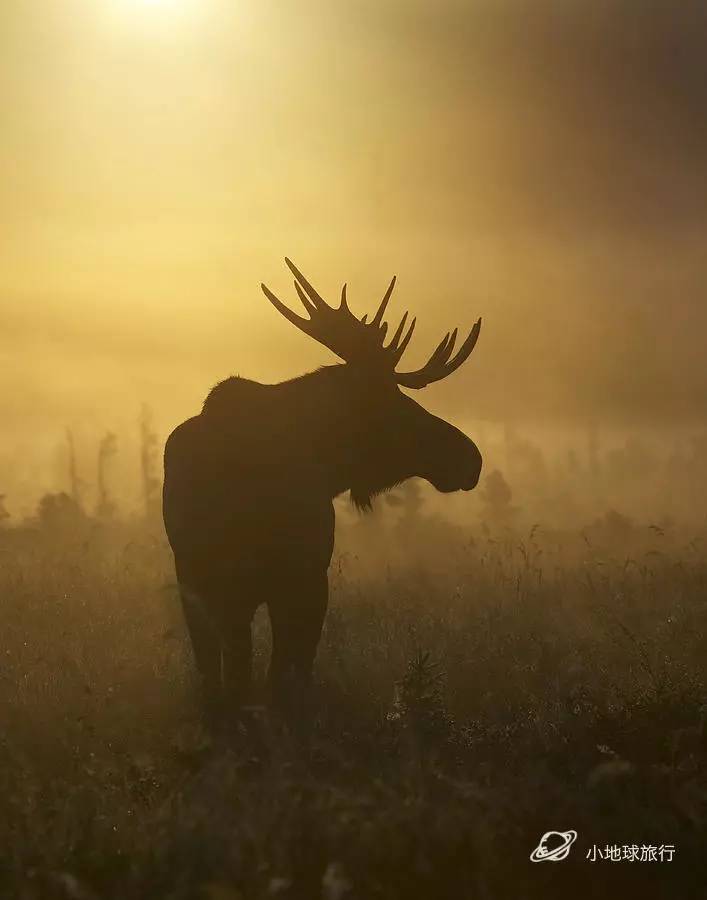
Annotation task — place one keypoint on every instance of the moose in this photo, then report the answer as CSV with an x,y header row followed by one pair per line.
x,y
249,485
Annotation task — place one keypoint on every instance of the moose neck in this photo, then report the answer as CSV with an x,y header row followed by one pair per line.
x,y
331,423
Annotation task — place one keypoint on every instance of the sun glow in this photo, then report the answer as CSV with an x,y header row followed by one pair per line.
x,y
156,3
153,7
154,13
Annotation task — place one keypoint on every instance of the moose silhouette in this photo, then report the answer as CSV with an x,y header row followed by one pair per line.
x,y
250,481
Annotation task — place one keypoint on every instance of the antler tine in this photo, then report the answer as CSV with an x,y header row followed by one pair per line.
x,y
440,351
393,345
378,318
306,302
397,353
441,363
464,351
449,348
337,327
318,301
298,321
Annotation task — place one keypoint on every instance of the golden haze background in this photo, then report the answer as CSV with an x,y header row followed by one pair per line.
x,y
541,164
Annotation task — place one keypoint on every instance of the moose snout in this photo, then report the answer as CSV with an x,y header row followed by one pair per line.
x,y
459,467
471,469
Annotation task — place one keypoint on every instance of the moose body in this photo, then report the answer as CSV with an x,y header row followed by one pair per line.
x,y
250,482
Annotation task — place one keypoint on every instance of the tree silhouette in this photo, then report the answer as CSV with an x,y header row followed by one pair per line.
x,y
496,495
108,447
149,463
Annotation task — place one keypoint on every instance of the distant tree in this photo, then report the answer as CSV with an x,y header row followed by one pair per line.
x,y
614,530
148,463
4,514
59,512
496,495
105,507
496,490
74,480
525,462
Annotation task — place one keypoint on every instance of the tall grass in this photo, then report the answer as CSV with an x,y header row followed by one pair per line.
x,y
474,690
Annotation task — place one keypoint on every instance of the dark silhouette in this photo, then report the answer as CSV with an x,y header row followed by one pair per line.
x,y
249,485
107,449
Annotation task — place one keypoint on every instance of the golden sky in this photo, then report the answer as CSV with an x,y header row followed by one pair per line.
x,y
538,163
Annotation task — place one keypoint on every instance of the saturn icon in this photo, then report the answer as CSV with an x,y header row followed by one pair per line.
x,y
554,846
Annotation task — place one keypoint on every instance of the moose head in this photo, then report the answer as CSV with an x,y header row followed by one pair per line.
x,y
388,436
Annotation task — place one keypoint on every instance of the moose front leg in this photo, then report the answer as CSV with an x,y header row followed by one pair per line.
x,y
220,631
296,619
206,647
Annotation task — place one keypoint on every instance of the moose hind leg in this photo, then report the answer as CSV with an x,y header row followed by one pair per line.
x,y
296,619
237,657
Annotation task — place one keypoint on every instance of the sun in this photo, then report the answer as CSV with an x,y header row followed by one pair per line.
x,y
156,5
156,10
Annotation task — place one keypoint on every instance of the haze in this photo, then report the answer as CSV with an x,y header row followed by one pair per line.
x,y
540,164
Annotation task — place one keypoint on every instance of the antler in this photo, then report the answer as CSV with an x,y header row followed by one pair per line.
x,y
356,340
441,363
338,329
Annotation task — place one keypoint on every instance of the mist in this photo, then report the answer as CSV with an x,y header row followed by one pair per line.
x,y
213,687
541,165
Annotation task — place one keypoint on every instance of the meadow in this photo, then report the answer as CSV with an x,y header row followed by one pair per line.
x,y
476,687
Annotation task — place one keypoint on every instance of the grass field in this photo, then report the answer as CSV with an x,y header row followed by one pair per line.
x,y
501,686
